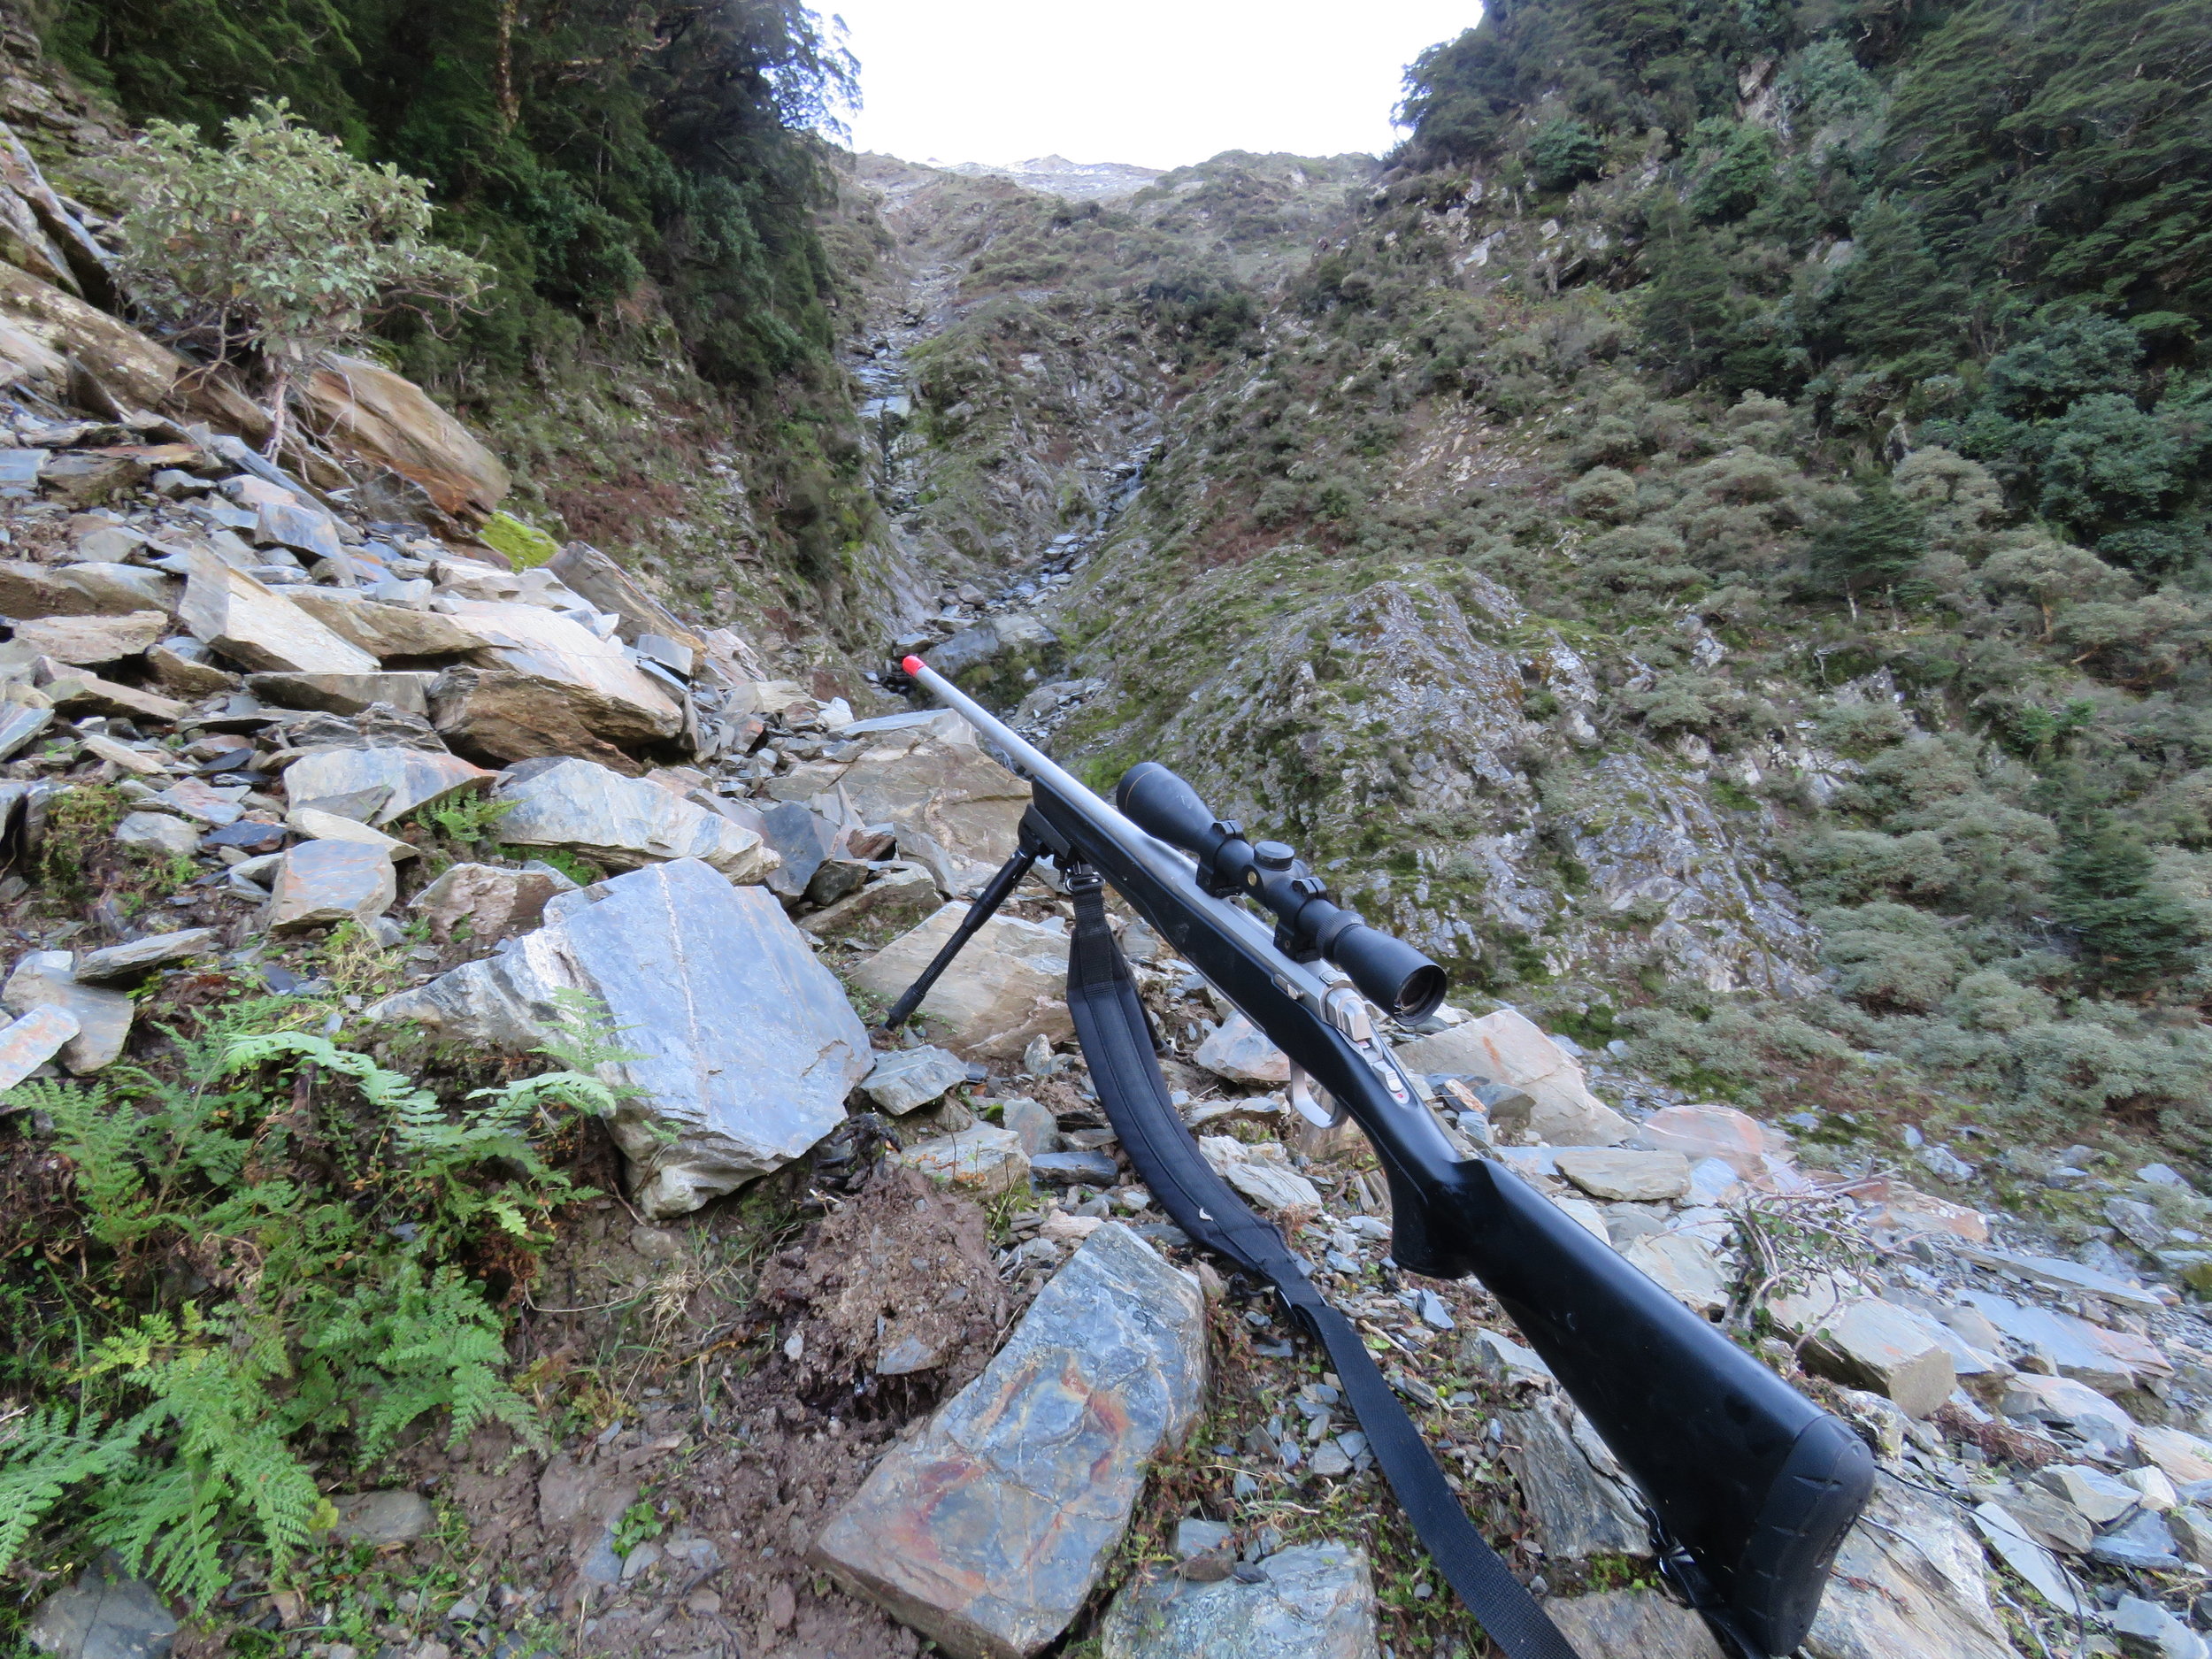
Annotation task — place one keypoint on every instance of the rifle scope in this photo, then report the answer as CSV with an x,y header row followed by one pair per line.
x,y
1307,923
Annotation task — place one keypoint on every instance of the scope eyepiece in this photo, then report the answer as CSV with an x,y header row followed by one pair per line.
x,y
1388,972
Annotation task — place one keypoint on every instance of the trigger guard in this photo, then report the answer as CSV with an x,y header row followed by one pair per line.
x,y
1305,1100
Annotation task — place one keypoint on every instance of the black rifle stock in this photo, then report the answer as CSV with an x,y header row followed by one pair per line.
x,y
1757,1483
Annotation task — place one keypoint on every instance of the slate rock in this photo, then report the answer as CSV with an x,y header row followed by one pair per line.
x,y
80,691
308,530
503,715
250,835
45,978
156,950
1008,984
2061,1400
1310,1601
2183,1455
2026,1555
2191,1525
896,900
378,785
18,724
2068,1346
494,901
28,1043
159,833
1263,1173
592,680
1579,1511
747,1045
1070,1169
624,823
1617,1172
92,641
383,1518
182,666
384,630
1699,1133
1684,1265
321,883
1633,1624
2049,1519
1240,1052
1878,1346
1909,1580
988,1530
103,1617
802,838
1507,1047
344,694
210,805
2148,1622
257,629
308,823
1038,1129
951,793
2144,1541
982,1161
78,590
904,1078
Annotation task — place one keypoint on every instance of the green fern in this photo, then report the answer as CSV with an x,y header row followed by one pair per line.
x,y
43,1453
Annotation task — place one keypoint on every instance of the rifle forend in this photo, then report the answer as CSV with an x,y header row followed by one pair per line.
x,y
1757,1483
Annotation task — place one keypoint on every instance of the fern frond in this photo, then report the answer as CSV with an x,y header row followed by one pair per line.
x,y
43,1453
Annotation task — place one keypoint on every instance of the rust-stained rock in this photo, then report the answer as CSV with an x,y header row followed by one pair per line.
x,y
81,590
1699,1133
128,366
982,1161
344,694
367,411
988,1530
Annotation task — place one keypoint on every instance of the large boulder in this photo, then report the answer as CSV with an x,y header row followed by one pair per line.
x,y
744,1046
47,979
952,793
369,412
601,689
1509,1047
382,630
1008,984
625,822
988,1530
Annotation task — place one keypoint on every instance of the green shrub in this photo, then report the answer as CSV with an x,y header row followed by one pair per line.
x,y
1563,153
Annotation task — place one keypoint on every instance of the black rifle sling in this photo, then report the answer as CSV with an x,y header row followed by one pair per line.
x,y
1112,1026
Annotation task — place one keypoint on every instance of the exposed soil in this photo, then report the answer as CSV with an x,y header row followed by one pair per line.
x,y
767,1406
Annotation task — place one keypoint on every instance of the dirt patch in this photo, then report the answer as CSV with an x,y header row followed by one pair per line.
x,y
774,1365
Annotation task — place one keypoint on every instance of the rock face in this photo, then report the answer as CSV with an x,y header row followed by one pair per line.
x,y
746,1044
988,1530
1008,985
45,980
1508,1048
625,822
1907,1581
1312,1601
257,629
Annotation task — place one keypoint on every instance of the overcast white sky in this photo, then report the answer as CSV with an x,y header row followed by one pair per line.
x,y
1160,83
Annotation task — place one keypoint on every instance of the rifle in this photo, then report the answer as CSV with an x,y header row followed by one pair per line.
x,y
1749,1487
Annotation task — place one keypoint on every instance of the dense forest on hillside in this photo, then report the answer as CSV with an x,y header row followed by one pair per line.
x,y
1831,385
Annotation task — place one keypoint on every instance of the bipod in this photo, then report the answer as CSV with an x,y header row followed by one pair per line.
x,y
995,892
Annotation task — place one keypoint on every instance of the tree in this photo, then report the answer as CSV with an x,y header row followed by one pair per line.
x,y
280,246
1877,540
2130,933
1564,153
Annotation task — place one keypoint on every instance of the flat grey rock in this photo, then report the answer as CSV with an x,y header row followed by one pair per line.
x,y
122,962
2143,1541
28,1043
98,1618
46,978
1093,1168
746,1044
988,1530
323,882
905,1079
378,784
1008,984
157,833
384,1518
1310,1601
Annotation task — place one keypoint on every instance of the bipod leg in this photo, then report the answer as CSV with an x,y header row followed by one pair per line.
x,y
1000,888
